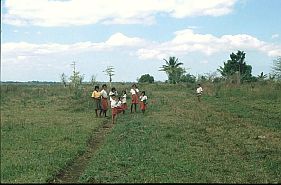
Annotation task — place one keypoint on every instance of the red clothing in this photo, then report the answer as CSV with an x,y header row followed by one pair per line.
x,y
135,99
116,110
142,105
124,106
119,110
104,104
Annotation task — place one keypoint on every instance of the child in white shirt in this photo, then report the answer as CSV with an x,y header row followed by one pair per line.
x,y
134,92
143,101
124,101
115,108
113,91
199,91
104,103
119,102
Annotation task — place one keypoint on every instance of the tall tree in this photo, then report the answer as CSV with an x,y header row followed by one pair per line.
x,y
236,65
110,72
173,69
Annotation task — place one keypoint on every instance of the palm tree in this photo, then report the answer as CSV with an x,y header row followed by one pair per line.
x,y
262,76
172,68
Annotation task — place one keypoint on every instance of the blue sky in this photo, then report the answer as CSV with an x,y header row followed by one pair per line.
x,y
41,38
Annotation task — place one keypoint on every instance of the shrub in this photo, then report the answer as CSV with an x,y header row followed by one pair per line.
x,y
146,78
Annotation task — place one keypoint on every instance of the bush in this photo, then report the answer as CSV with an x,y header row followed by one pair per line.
x,y
188,78
146,78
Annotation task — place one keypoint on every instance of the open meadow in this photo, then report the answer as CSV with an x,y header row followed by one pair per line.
x,y
232,136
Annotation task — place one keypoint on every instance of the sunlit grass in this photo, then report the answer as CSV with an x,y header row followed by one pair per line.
x,y
232,136
41,134
180,140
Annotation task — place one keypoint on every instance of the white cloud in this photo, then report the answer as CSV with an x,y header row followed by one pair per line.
x,y
82,12
22,50
183,9
183,43
119,39
186,41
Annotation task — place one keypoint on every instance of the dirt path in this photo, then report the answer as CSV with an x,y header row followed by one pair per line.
x,y
73,171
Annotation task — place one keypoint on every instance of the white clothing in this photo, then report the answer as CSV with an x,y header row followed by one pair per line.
x,y
111,93
119,103
103,93
199,90
143,98
124,100
113,103
132,91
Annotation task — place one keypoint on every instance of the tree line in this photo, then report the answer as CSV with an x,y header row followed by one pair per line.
x,y
235,69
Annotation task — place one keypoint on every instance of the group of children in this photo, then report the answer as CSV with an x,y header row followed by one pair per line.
x,y
118,104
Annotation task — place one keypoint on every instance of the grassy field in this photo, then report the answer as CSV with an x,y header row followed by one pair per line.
x,y
43,128
232,136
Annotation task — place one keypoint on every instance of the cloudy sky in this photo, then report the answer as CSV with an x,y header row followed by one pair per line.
x,y
41,38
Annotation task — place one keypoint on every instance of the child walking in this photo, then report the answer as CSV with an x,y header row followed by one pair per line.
x,y
96,95
104,103
199,91
143,101
134,92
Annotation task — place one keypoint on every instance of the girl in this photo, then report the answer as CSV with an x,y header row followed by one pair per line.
x,y
143,101
119,105
113,91
96,95
104,103
115,108
124,101
134,92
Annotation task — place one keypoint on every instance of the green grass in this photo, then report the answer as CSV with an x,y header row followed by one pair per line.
x,y
42,130
209,142
176,140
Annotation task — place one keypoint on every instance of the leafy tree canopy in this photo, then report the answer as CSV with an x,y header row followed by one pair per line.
x,y
146,78
236,64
